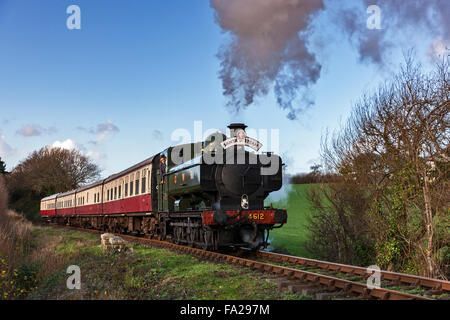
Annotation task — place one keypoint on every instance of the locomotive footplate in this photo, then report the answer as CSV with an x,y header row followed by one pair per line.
x,y
265,216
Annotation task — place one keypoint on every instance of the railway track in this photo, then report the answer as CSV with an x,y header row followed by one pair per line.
x,y
397,278
329,280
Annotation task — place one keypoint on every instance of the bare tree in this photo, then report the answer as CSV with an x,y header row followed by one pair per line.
x,y
395,147
45,172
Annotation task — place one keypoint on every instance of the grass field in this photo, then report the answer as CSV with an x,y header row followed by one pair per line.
x,y
137,273
290,237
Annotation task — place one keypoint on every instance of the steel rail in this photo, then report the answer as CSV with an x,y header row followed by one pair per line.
x,y
333,283
418,281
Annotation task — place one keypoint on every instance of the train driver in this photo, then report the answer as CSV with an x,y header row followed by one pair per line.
x,y
162,168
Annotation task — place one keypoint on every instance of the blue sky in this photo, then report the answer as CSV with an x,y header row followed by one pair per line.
x,y
138,70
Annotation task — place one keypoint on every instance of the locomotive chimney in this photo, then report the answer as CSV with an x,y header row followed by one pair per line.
x,y
235,127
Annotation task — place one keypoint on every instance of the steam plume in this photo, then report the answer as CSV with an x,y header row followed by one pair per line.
x,y
399,20
268,42
267,48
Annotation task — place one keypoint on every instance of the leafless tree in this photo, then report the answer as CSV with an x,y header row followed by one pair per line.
x,y
45,172
395,148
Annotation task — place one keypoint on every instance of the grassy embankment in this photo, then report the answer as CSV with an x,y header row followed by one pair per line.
x,y
290,237
138,273
34,260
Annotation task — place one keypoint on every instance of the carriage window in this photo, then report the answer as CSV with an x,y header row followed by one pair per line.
x,y
108,194
137,186
131,188
120,191
126,189
115,193
143,185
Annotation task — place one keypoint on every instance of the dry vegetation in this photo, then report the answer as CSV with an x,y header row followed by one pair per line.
x,y
15,234
15,231
23,263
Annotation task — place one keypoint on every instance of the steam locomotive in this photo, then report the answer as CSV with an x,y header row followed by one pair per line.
x,y
207,194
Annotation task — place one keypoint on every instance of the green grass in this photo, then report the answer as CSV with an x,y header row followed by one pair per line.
x,y
144,273
290,237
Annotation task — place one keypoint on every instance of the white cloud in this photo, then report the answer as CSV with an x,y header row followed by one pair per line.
x,y
68,144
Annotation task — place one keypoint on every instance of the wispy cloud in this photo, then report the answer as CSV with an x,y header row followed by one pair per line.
x,y
32,130
102,131
105,130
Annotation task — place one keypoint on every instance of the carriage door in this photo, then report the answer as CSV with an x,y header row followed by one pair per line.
x,y
162,181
